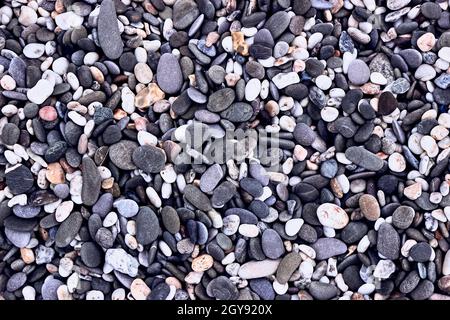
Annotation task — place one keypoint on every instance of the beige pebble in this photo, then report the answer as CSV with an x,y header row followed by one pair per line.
x,y
333,216
27,255
8,83
397,162
55,173
369,207
202,263
139,289
413,191
426,42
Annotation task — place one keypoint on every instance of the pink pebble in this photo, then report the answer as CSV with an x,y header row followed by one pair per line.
x,y
48,113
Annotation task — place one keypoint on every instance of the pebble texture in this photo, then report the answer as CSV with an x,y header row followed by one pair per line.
x,y
207,149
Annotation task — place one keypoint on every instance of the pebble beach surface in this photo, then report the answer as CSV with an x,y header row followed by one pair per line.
x,y
104,195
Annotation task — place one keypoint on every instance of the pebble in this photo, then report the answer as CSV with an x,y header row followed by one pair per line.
x,y
169,75
388,243
332,216
369,207
108,30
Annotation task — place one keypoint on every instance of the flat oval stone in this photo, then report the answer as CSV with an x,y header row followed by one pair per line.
x,y
108,30
303,134
358,72
121,154
403,217
272,244
149,158
68,229
147,226
168,75
328,247
91,182
26,211
364,158
287,266
91,254
238,112
222,288
221,99
369,207
323,291
50,287
388,242
196,197
19,180
211,177
170,219
258,269
184,13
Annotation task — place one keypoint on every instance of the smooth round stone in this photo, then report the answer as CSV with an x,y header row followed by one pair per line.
x,y
423,290
252,186
147,226
26,211
263,288
197,198
220,100
10,134
303,134
358,72
108,30
126,207
272,244
323,82
170,219
168,75
252,89
421,252
50,287
20,239
19,180
16,281
248,230
222,194
288,265
329,114
230,224
143,73
388,242
91,254
61,191
328,247
68,229
403,217
103,205
332,216
369,207
34,50
425,72
431,10
210,178
222,288
238,112
412,57
121,154
322,291
353,232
